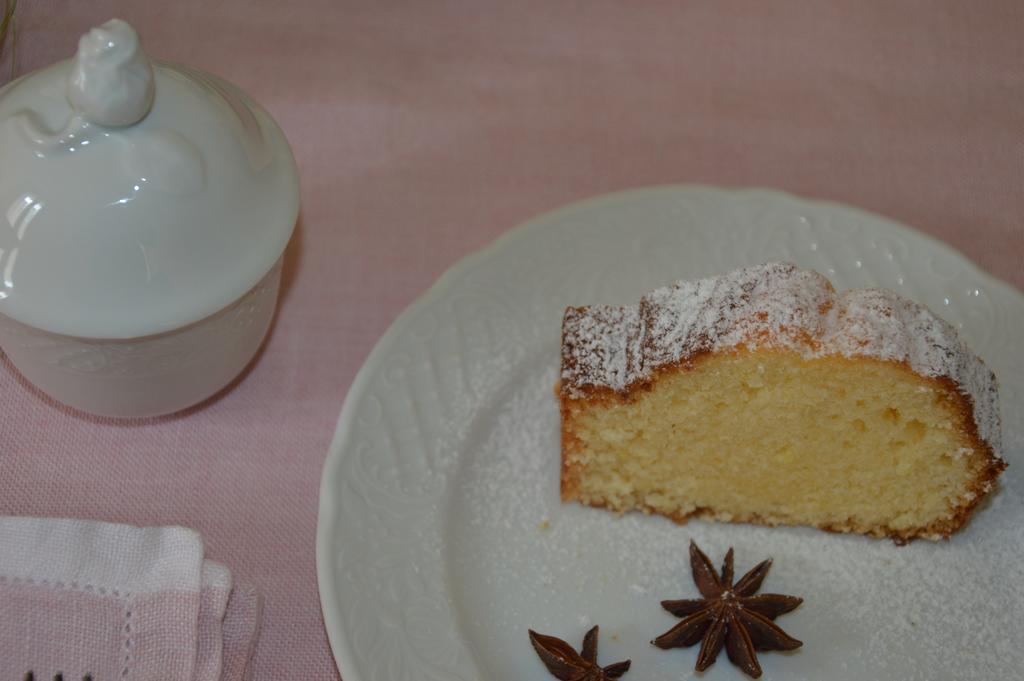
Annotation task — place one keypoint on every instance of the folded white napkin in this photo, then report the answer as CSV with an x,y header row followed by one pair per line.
x,y
90,599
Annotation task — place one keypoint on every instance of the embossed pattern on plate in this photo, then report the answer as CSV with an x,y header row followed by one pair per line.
x,y
415,516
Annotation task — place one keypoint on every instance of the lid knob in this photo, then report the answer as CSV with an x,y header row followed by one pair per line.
x,y
111,80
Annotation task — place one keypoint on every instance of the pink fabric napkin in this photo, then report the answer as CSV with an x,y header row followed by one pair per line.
x,y
84,598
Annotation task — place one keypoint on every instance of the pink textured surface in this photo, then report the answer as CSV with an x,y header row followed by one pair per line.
x,y
425,129
163,633
74,618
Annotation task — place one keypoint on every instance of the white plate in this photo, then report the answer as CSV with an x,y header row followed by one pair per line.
x,y
441,537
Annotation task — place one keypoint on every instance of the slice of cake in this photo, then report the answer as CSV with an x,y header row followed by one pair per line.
x,y
764,396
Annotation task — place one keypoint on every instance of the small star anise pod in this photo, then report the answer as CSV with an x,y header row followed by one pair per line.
x,y
730,615
566,664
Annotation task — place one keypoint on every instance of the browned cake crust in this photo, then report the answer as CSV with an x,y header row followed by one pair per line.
x,y
612,355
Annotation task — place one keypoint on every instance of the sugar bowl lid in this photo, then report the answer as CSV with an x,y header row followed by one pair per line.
x,y
136,196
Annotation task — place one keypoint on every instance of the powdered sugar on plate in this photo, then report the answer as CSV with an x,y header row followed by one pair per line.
x,y
517,558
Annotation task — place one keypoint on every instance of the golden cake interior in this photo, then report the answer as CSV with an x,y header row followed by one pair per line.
x,y
847,444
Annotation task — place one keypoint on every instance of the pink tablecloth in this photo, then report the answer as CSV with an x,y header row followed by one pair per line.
x,y
425,129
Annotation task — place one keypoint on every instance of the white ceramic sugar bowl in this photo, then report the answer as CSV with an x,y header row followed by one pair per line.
x,y
144,211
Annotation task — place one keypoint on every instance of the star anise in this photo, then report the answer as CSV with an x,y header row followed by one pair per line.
x,y
566,664
730,615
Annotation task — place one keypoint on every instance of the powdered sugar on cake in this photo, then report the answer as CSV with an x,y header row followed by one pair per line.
x,y
600,343
768,306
